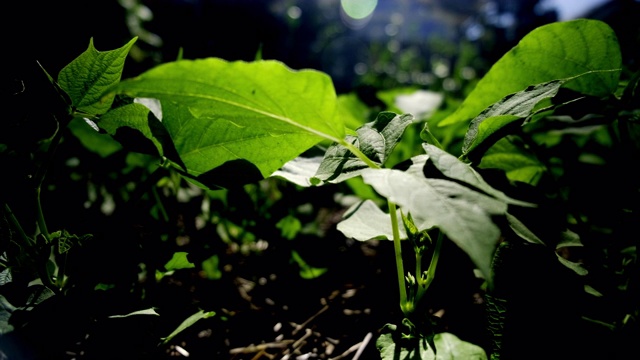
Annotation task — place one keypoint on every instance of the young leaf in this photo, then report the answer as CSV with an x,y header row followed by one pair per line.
x,y
555,51
463,214
188,322
150,311
179,261
87,77
375,139
254,117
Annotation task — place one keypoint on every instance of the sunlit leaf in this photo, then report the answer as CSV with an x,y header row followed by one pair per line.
x,y
365,221
252,117
555,51
87,77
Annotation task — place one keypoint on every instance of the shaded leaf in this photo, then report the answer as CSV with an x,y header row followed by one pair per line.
x,y
517,163
376,140
453,168
150,311
463,214
448,346
187,323
522,230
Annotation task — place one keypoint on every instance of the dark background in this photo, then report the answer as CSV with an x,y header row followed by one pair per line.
x,y
428,32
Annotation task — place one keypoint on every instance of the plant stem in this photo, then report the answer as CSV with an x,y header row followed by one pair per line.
x,y
431,272
355,151
397,246
27,240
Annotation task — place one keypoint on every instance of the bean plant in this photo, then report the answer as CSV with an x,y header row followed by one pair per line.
x,y
534,185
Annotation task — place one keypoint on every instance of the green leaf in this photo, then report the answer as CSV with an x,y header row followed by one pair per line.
x,y
555,51
187,323
254,117
365,221
453,168
211,268
522,230
463,214
87,77
289,226
375,140
493,121
101,144
149,137
517,163
179,261
306,271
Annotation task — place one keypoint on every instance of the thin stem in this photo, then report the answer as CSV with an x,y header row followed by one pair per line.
x,y
360,155
397,246
42,225
12,217
431,272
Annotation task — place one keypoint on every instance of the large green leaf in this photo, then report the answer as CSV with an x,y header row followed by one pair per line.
x,y
555,51
252,117
463,214
87,77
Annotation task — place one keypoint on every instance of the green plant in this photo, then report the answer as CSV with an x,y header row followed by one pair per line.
x,y
551,110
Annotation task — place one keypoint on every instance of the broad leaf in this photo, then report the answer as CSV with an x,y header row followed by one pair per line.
x,y
365,221
251,117
87,77
463,214
448,347
375,140
555,51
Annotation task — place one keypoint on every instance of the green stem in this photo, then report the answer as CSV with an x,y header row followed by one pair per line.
x,y
360,155
431,272
397,246
42,225
12,217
